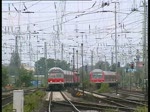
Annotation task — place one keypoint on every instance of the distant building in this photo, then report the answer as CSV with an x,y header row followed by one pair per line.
x,y
139,64
5,64
27,67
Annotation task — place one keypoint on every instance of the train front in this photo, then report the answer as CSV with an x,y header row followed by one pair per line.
x,y
96,76
55,79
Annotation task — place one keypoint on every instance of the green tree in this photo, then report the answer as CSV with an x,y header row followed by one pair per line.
x,y
101,65
40,66
15,64
104,88
5,78
63,64
113,67
25,78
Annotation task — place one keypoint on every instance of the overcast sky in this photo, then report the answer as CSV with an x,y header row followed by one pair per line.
x,y
95,24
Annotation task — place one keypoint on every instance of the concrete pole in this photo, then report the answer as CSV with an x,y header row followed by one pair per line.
x,y
45,53
112,59
55,50
77,59
91,60
82,68
37,63
105,63
145,49
18,100
77,68
62,52
73,62
116,42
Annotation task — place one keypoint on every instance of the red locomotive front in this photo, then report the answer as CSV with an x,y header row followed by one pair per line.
x,y
55,78
97,76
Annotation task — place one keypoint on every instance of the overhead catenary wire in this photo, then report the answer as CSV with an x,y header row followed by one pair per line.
x,y
67,32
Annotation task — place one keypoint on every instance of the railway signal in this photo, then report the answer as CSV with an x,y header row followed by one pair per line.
x,y
118,64
126,70
132,65
86,69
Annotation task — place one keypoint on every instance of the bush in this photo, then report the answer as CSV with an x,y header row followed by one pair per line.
x,y
104,88
8,108
141,109
31,102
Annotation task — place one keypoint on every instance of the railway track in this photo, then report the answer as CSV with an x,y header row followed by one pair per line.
x,y
8,98
57,104
128,102
116,101
10,92
59,101
136,94
132,91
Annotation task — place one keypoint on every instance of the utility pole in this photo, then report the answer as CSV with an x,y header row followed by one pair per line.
x,y
28,29
55,50
77,68
137,62
105,63
37,63
16,44
112,61
29,42
69,60
77,59
62,52
45,55
116,44
130,56
91,60
16,52
145,50
82,67
73,61
130,80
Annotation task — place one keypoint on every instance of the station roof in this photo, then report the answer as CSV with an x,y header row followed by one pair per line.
x,y
55,68
105,72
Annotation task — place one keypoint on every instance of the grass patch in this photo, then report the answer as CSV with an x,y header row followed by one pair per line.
x,y
31,102
104,88
8,108
141,109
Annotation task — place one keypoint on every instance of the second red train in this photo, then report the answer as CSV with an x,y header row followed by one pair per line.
x,y
58,78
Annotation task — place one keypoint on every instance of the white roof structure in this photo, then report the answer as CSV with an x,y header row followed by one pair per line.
x,y
97,70
106,72
68,72
55,68
27,67
109,73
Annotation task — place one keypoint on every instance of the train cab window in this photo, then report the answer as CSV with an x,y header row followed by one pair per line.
x,y
97,75
51,75
60,75
55,75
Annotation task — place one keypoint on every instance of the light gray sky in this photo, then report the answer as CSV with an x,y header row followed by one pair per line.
x,y
86,16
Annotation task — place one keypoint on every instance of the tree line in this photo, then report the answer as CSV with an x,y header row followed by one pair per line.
x,y
24,77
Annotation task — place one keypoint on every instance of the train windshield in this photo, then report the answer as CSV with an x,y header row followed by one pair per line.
x,y
97,75
55,75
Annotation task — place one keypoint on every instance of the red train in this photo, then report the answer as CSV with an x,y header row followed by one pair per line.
x,y
58,78
100,76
